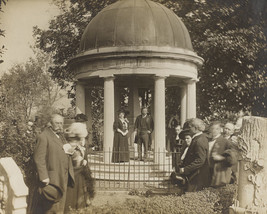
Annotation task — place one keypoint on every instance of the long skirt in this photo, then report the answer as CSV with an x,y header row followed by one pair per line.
x,y
79,196
120,148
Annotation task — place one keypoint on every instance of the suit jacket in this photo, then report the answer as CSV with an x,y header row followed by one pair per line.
x,y
222,147
195,163
149,123
51,160
221,170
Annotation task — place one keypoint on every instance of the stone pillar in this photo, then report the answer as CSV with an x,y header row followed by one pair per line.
x,y
117,101
80,98
108,117
191,99
88,113
159,119
252,183
183,105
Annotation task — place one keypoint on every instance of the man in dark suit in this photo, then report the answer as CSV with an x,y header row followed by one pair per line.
x,y
221,156
143,127
195,164
54,168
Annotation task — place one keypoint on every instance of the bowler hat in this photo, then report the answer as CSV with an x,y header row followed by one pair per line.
x,y
183,133
51,193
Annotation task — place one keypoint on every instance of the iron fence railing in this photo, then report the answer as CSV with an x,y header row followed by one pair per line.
x,y
152,172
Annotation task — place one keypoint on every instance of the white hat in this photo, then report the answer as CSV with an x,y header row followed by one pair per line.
x,y
77,129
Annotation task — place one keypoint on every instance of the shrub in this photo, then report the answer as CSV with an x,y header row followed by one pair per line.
x,y
208,201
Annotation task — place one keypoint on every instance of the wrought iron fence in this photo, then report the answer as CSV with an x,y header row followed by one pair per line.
x,y
151,172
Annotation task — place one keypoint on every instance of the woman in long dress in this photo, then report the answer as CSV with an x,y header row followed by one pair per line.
x,y
79,196
120,142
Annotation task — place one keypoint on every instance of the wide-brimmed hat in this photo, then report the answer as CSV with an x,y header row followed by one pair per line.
x,y
77,129
51,192
184,133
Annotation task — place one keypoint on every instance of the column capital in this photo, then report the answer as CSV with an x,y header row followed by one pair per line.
x,y
107,76
156,77
190,81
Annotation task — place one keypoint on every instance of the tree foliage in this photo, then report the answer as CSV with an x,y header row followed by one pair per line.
x,y
229,35
27,87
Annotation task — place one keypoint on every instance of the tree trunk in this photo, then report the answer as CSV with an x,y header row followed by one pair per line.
x,y
252,185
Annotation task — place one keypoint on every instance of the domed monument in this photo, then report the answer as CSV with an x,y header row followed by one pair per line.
x,y
136,44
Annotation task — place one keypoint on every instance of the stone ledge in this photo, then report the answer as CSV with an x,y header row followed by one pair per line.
x,y
15,176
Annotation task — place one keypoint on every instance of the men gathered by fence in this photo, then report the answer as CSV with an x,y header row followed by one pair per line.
x,y
209,160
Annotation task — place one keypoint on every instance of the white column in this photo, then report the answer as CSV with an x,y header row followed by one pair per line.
x,y
108,117
80,98
191,99
183,105
159,119
117,104
88,113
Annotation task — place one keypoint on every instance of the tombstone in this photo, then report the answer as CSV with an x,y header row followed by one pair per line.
x,y
252,182
13,191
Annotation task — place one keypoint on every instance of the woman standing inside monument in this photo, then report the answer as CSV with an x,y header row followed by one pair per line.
x,y
120,143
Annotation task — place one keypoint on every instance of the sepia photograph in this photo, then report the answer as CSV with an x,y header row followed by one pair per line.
x,y
133,106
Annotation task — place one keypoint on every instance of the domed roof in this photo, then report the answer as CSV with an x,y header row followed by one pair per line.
x,y
135,23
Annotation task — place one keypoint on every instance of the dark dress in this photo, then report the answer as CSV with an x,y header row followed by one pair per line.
x,y
78,196
120,144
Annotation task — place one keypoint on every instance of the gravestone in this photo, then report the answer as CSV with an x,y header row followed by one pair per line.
x,y
252,182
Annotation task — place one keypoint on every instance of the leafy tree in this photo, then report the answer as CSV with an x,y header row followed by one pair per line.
x,y
229,35
27,87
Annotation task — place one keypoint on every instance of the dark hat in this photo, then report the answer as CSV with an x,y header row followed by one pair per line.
x,y
186,125
183,133
51,192
81,118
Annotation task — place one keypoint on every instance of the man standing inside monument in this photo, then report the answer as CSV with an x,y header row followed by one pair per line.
x,y
195,164
54,168
143,127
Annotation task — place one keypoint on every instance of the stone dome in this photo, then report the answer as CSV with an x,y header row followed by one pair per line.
x,y
128,23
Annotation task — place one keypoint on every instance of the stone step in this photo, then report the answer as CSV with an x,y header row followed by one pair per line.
x,y
126,170
131,167
126,177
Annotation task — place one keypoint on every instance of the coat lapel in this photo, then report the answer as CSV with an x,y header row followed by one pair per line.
x,y
57,140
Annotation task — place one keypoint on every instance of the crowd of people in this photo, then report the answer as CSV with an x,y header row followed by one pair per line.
x,y
204,157
201,157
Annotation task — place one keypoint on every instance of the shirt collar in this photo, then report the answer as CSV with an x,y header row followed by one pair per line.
x,y
197,134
